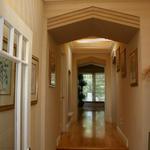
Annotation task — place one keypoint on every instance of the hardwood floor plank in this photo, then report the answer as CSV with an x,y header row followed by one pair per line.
x,y
91,132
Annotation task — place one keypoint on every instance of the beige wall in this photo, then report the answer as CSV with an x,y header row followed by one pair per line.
x,y
52,105
129,100
56,109
31,12
66,88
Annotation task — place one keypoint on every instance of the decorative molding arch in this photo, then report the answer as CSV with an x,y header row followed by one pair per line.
x,y
93,13
91,60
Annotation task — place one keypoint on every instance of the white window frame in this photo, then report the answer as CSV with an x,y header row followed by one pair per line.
x,y
16,24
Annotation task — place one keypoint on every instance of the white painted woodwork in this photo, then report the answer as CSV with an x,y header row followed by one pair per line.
x,y
18,107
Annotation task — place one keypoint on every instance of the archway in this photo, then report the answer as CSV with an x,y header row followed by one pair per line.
x,y
100,61
93,21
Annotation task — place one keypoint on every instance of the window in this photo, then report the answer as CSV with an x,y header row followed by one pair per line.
x,y
95,88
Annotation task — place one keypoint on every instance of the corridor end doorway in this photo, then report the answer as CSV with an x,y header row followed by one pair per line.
x,y
91,87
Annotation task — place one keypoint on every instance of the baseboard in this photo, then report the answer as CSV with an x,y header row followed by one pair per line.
x,y
58,140
123,137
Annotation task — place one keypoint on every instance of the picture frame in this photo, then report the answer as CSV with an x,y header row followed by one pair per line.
x,y
123,66
133,60
7,80
34,80
52,69
5,76
118,59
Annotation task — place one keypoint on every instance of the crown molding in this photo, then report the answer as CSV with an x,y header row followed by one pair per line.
x,y
93,13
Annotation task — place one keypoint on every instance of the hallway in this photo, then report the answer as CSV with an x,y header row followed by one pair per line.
x,y
91,132
45,45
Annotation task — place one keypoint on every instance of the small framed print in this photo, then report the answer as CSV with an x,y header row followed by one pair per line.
x,y
118,59
52,69
133,60
123,63
34,80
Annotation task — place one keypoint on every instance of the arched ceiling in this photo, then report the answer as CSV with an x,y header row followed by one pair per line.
x,y
99,47
93,21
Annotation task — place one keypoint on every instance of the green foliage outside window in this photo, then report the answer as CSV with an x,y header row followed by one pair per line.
x,y
99,93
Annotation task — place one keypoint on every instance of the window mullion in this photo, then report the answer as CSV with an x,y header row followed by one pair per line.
x,y
26,102
18,107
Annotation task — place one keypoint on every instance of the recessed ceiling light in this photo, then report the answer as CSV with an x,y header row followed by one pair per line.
x,y
94,40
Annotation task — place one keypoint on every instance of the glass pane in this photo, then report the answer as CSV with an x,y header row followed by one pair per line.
x,y
7,98
24,48
100,86
88,89
16,41
6,33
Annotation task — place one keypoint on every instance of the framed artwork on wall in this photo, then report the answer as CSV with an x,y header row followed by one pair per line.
x,y
34,80
7,80
52,69
5,76
118,59
123,63
133,60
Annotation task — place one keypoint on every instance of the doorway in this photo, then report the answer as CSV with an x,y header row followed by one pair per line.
x,y
92,93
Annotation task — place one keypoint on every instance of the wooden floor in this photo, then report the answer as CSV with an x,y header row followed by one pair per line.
x,y
91,132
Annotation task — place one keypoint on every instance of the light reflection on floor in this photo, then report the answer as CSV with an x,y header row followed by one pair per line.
x,y
91,131
93,120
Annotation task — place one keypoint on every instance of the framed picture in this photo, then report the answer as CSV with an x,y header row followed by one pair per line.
x,y
7,81
34,80
123,63
133,60
52,69
5,76
118,59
